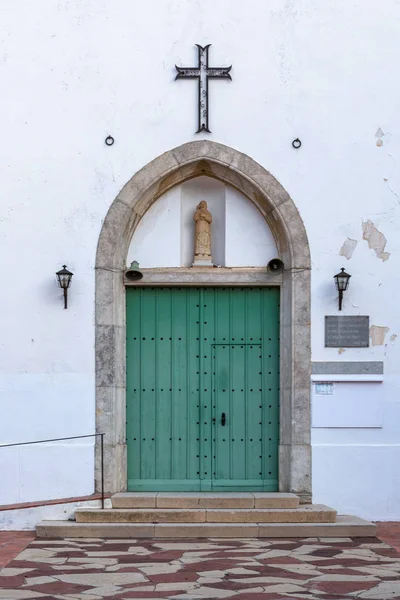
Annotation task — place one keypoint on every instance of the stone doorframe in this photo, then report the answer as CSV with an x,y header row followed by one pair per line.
x,y
260,187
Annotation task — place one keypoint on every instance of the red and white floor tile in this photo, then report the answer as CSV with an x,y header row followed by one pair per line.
x,y
247,569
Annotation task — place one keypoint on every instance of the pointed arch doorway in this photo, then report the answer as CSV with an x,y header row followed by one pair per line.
x,y
238,170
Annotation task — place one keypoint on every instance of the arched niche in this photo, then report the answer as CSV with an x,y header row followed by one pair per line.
x,y
240,235
189,161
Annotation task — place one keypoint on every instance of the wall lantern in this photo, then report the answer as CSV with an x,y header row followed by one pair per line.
x,y
342,281
64,281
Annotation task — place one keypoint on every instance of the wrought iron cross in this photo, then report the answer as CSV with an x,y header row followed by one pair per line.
x,y
202,73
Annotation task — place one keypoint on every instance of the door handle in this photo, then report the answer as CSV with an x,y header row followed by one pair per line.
x,y
223,419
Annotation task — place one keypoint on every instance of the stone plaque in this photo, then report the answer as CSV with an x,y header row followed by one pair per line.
x,y
346,332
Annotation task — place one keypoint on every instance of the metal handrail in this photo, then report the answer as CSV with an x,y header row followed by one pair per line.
x,y
74,437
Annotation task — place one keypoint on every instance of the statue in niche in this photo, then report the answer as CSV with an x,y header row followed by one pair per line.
x,y
202,237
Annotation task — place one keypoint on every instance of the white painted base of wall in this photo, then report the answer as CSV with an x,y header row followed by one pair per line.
x,y
362,479
27,518
42,472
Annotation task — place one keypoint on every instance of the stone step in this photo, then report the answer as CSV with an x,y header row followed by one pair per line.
x,y
311,513
345,526
204,500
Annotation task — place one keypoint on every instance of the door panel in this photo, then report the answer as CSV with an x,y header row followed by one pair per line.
x,y
193,354
162,389
237,405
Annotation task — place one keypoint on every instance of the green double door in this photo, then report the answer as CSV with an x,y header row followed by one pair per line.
x,y
202,389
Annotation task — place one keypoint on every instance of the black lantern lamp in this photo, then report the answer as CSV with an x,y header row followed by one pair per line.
x,y
342,281
64,281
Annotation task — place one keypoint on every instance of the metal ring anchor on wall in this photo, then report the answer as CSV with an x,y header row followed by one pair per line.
x,y
296,143
109,140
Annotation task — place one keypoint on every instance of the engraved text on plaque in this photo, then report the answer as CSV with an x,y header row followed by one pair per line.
x,y
346,332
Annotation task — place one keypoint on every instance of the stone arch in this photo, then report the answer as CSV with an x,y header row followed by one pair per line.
x,y
234,168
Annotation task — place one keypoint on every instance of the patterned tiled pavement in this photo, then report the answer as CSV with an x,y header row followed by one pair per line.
x,y
311,568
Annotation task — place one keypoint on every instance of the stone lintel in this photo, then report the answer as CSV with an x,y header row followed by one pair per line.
x,y
206,276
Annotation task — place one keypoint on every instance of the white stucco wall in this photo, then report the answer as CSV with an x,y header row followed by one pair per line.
x,y
74,72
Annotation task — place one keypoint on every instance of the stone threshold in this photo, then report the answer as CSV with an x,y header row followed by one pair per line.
x,y
314,513
187,500
345,526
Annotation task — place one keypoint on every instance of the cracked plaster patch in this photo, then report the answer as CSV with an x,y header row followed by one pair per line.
x,y
376,240
348,248
377,334
381,137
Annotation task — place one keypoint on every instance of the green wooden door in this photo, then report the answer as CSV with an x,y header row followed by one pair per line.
x,y
202,389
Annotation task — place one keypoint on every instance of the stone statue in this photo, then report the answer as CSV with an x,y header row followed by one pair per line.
x,y
202,238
